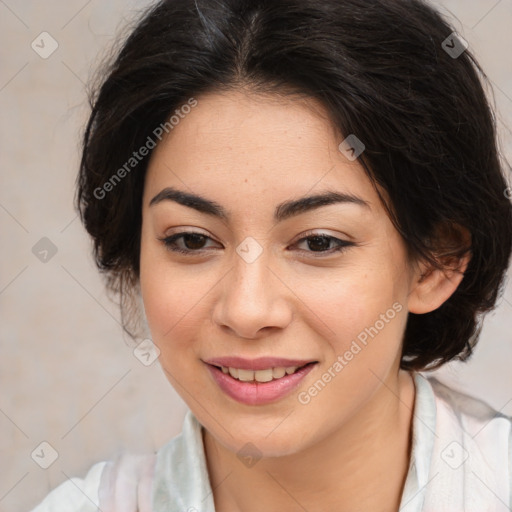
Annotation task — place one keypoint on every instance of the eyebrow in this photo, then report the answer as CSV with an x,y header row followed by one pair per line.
x,y
282,211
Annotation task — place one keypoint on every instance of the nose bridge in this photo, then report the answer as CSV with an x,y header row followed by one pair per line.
x,y
251,276
252,296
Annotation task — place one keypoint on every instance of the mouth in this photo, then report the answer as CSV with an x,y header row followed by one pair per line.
x,y
259,386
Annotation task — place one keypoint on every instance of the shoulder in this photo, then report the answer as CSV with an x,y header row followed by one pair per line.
x,y
123,483
131,482
473,415
471,450
75,494
462,451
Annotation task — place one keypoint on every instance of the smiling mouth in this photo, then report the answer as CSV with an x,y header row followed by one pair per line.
x,y
266,375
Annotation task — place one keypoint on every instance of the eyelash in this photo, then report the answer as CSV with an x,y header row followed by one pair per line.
x,y
170,243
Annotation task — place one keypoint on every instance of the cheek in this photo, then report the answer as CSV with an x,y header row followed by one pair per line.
x,y
363,317
163,298
353,305
175,302
170,303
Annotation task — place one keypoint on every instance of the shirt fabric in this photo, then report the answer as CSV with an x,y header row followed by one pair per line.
x,y
461,460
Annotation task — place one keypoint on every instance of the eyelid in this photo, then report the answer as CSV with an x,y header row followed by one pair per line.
x,y
321,233
185,229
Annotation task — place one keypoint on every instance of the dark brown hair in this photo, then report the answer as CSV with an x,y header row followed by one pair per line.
x,y
383,70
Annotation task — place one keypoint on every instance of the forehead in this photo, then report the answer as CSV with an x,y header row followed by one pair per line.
x,y
253,143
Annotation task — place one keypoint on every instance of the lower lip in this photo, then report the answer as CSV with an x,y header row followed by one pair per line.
x,y
258,393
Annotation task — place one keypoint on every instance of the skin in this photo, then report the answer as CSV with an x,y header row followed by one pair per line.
x,y
348,449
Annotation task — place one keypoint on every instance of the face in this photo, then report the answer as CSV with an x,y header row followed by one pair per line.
x,y
317,292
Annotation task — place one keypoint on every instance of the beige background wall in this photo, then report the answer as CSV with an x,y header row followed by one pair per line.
x,y
66,375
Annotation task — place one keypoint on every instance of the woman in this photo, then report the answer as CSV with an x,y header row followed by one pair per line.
x,y
307,197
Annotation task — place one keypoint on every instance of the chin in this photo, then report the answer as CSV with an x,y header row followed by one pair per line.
x,y
253,438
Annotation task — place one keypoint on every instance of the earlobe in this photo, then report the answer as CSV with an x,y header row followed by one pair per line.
x,y
432,287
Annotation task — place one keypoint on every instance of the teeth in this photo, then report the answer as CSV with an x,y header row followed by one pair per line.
x,y
245,375
259,375
277,373
263,375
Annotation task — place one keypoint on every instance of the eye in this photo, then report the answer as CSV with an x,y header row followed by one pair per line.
x,y
192,240
320,242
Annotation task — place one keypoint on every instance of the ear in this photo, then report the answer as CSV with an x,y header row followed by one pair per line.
x,y
431,287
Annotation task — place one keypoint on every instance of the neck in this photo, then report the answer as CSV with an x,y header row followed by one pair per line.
x,y
361,466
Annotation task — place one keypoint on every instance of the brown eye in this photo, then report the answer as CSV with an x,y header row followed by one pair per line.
x,y
192,242
319,243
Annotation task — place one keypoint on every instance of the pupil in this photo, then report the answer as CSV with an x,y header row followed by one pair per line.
x,y
314,241
196,238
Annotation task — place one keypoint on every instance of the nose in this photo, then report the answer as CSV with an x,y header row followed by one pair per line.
x,y
254,300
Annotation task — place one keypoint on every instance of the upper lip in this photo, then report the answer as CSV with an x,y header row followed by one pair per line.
x,y
260,363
